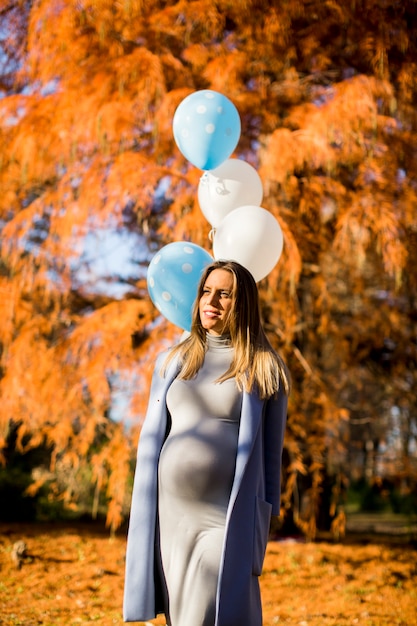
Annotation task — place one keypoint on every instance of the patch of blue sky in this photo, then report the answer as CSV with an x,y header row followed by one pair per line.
x,y
111,261
14,119
47,89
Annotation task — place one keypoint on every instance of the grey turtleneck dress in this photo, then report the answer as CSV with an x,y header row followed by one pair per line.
x,y
195,476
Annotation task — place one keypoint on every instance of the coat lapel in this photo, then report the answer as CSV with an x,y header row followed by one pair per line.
x,y
249,425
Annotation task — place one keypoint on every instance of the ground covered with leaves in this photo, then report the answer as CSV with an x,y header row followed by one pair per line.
x,y
61,574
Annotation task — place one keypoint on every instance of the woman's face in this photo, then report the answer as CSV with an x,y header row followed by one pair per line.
x,y
216,302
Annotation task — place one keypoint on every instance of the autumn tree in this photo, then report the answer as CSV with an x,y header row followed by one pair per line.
x,y
326,93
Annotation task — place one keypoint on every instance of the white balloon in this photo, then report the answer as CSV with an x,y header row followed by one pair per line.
x,y
232,184
251,236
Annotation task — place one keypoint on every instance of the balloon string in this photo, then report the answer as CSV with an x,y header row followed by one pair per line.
x,y
221,188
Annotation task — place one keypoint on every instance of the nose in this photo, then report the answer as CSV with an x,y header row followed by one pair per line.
x,y
212,298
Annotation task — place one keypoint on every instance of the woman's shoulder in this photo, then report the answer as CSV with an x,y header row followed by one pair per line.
x,y
166,359
168,350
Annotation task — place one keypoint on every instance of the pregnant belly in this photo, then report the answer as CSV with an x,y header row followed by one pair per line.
x,y
199,465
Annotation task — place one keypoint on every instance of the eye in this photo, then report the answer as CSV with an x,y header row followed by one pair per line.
x,y
226,294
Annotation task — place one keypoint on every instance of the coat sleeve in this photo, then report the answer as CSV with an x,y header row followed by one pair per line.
x,y
275,419
140,593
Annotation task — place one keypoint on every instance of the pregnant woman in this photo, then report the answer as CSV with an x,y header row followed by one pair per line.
x,y
207,477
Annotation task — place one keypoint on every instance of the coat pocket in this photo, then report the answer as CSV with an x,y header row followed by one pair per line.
x,y
262,521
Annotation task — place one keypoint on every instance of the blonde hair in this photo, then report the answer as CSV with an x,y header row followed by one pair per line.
x,y
255,364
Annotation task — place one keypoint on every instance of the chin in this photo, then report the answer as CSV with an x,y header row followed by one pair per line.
x,y
209,328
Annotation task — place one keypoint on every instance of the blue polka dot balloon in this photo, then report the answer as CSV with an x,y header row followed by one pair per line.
x,y
173,277
206,127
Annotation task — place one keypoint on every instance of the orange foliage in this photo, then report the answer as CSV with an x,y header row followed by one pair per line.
x,y
326,95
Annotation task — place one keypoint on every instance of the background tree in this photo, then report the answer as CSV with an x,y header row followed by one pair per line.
x,y
93,184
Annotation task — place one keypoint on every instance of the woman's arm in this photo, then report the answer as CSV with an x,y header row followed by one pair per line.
x,y
275,419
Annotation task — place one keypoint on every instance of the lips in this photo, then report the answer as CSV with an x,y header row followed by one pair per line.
x,y
211,314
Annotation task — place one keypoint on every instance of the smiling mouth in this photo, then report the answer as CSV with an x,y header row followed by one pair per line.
x,y
211,314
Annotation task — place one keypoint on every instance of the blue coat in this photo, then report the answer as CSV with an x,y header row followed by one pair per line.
x,y
255,495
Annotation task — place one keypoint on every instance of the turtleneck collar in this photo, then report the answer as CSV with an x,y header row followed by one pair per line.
x,y
218,342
